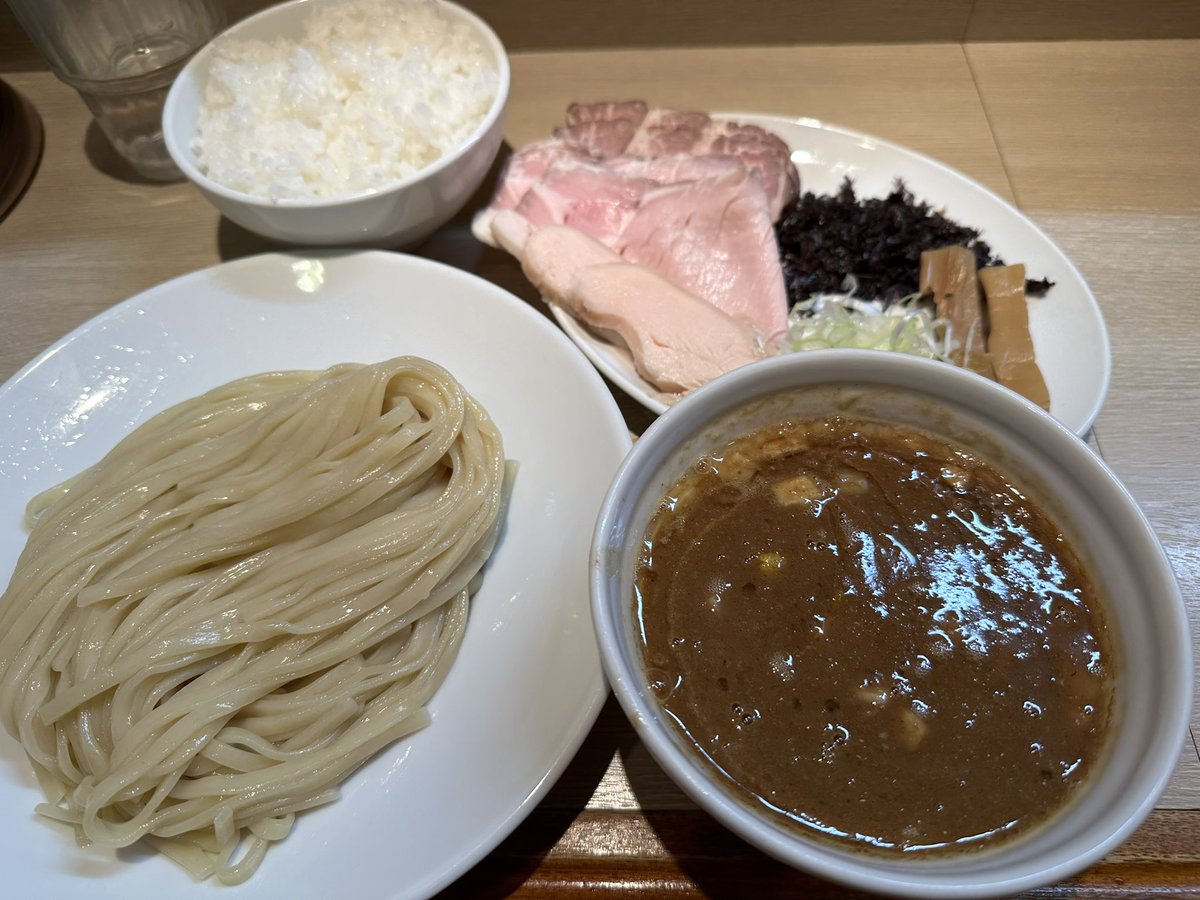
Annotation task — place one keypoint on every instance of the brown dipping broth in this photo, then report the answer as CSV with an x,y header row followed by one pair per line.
x,y
875,636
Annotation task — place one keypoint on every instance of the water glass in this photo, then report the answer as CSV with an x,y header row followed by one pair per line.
x,y
122,56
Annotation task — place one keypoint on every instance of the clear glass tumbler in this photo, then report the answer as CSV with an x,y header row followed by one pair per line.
x,y
122,56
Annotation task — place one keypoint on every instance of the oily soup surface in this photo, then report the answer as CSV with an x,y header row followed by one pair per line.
x,y
875,635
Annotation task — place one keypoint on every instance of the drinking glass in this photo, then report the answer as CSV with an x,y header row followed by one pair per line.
x,y
122,56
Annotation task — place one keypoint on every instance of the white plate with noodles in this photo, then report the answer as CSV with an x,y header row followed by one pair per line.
x,y
526,685
1067,327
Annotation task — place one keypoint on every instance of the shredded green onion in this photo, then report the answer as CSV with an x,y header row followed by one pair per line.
x,y
843,320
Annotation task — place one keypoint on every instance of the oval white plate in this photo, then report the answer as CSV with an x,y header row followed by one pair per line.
x,y
527,684
1067,327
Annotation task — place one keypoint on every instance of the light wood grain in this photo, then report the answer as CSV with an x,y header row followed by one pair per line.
x,y
633,23
1095,125
1142,269
88,234
1183,791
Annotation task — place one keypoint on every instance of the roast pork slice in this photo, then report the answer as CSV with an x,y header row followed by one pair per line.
x,y
667,131
673,168
524,169
602,129
677,341
756,149
585,195
600,138
714,238
630,110
664,146
600,197
659,132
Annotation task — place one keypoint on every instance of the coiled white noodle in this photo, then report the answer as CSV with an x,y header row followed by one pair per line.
x,y
255,591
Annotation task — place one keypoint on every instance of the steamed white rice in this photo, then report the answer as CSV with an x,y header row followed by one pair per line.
x,y
375,91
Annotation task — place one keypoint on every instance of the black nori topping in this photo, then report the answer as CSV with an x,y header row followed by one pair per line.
x,y
824,238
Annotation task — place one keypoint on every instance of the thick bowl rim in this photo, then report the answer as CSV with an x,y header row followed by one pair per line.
x,y
798,850
181,155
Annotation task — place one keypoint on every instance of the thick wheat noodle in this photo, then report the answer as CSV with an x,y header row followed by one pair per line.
x,y
250,595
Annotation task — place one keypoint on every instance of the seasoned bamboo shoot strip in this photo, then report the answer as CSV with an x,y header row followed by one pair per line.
x,y
1009,345
949,274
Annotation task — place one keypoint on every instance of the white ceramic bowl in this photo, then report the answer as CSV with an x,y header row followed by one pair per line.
x,y
400,214
1146,613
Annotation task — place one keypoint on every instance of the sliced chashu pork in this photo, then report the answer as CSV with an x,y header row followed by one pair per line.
x,y
541,174
678,341
758,150
714,238
523,170
584,195
630,110
552,182
665,131
600,138
674,168
605,130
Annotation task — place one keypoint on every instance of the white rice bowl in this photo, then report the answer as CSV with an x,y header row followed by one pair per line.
x,y
375,91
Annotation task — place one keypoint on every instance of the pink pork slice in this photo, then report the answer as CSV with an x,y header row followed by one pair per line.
x,y
660,145
673,168
523,170
585,195
668,131
602,129
599,138
714,239
600,197
757,149
630,110
678,341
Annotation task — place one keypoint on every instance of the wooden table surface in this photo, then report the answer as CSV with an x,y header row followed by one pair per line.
x,y
1097,141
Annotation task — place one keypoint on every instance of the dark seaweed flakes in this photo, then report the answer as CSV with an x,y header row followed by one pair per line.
x,y
823,238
